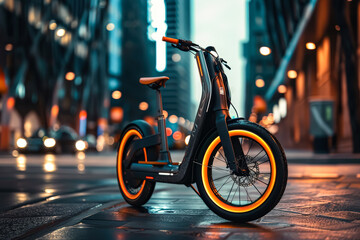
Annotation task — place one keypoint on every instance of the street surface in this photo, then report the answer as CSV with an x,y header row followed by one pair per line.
x,y
69,197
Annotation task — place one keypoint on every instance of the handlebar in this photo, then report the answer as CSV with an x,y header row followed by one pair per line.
x,y
185,45
170,40
179,42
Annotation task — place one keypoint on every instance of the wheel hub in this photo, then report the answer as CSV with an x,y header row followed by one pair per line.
x,y
250,179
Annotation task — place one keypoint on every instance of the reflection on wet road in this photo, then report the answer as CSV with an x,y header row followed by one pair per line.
x,y
77,197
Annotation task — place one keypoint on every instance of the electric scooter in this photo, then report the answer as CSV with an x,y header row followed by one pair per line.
x,y
239,168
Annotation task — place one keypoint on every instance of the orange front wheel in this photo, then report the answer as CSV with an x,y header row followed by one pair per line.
x,y
246,196
135,191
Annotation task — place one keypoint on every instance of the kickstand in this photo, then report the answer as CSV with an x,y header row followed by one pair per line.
x,y
193,188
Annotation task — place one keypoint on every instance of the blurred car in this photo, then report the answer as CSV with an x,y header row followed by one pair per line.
x,y
67,140
90,142
40,142
64,140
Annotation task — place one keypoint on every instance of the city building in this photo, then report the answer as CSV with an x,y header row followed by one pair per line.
x,y
176,94
302,72
53,65
78,64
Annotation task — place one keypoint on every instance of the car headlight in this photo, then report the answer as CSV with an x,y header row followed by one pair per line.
x,y
21,143
49,142
80,145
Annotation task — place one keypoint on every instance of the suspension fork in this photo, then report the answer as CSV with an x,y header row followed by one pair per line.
x,y
232,146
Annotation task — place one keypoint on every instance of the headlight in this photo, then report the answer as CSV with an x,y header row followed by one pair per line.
x,y
80,145
21,143
49,142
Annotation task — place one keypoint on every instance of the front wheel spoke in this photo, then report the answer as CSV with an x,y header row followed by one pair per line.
x,y
252,142
256,188
257,160
258,178
210,167
263,162
258,153
247,195
221,169
221,154
230,191
220,159
260,181
233,195
218,190
220,178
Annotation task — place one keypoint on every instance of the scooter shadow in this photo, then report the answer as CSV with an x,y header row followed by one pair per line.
x,y
248,230
251,230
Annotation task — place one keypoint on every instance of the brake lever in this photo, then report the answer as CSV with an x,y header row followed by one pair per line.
x,y
225,63
181,47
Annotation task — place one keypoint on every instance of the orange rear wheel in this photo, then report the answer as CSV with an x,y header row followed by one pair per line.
x,y
135,191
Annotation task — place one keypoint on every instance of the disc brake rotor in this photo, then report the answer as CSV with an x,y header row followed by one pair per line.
x,y
254,172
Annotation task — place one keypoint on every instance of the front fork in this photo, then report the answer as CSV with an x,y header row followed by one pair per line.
x,y
232,147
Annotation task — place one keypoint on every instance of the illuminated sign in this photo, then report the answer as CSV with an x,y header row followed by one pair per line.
x,y
157,29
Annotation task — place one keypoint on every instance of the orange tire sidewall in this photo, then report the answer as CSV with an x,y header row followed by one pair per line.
x,y
205,180
128,134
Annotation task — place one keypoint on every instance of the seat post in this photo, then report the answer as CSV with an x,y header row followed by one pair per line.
x,y
164,147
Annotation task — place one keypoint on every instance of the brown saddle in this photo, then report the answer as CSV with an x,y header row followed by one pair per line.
x,y
154,82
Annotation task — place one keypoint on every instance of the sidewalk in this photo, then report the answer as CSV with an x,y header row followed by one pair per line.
x,y
308,157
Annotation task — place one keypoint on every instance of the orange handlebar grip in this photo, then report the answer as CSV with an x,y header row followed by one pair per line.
x,y
170,40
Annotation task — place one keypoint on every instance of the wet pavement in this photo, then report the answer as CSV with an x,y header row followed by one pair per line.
x,y
68,197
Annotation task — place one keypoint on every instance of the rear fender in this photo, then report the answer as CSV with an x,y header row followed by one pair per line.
x,y
147,130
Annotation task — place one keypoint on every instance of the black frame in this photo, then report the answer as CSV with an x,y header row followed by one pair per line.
x,y
213,110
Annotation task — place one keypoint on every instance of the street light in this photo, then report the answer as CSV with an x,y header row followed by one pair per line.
x,y
70,76
282,89
173,119
110,27
143,106
8,47
116,94
265,50
260,83
52,25
176,57
310,46
292,74
60,32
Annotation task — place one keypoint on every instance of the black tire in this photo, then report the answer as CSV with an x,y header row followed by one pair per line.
x,y
135,192
262,189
